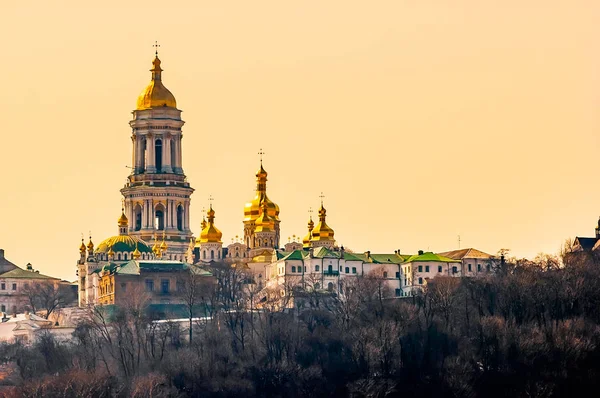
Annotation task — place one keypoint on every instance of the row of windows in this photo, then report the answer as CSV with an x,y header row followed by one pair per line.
x,y
3,308
3,286
165,286
318,268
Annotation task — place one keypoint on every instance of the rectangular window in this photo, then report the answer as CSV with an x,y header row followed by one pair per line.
x,y
124,287
340,268
347,270
420,268
164,286
149,285
14,286
354,270
454,270
397,275
385,274
3,308
420,281
427,268
439,268
489,267
398,292
316,268
3,286
469,267
293,268
479,267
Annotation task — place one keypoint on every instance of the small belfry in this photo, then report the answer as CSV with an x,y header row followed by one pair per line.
x,y
157,194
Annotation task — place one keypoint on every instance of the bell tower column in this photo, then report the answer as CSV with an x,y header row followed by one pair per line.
x,y
150,145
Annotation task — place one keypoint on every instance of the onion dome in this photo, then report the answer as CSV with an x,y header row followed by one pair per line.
x,y
123,221
203,223
322,231
163,246
136,253
210,233
155,95
252,210
306,240
82,247
90,245
110,253
264,223
156,246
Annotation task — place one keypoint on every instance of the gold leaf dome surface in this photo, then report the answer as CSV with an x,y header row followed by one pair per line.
x,y
322,231
210,233
252,210
264,223
156,94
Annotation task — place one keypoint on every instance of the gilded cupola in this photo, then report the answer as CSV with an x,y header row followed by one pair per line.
x,y
210,233
306,240
264,223
322,231
156,95
252,210
82,247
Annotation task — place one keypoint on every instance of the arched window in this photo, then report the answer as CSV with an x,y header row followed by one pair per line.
x,y
330,286
125,256
138,217
212,254
317,268
293,268
204,254
119,256
317,286
159,218
158,149
180,218
330,268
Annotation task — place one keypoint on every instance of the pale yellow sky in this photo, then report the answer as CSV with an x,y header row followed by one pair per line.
x,y
420,120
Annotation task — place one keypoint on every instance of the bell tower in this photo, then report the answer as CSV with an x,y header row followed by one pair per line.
x,y
157,194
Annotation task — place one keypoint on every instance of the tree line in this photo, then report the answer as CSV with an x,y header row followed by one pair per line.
x,y
529,329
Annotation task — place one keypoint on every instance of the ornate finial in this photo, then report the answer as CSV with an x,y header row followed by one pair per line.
x,y
261,153
322,197
310,211
156,46
210,200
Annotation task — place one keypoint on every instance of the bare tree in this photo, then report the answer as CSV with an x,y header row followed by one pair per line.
x,y
46,297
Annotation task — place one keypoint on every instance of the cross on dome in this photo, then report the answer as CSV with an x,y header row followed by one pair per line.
x,y
156,46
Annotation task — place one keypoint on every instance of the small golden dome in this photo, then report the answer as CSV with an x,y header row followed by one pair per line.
x,y
210,233
123,221
264,223
163,246
136,253
322,231
110,253
155,95
306,240
252,210
90,245
82,247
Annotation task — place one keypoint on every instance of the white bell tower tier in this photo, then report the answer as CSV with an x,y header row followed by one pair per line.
x,y
157,194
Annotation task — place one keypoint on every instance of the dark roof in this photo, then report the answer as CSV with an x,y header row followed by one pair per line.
x,y
22,274
586,243
5,265
465,253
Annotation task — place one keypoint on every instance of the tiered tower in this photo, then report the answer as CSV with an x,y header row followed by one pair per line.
x,y
157,195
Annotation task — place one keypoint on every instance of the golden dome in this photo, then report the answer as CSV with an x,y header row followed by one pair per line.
x,y
110,252
90,245
252,210
306,240
210,233
322,231
82,247
264,223
136,253
155,94
123,221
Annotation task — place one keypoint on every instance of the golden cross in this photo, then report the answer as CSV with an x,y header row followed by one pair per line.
x,y
156,45
322,197
261,153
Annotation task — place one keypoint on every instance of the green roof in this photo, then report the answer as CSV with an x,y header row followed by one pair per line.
x,y
322,252
123,243
134,267
429,256
23,274
296,255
